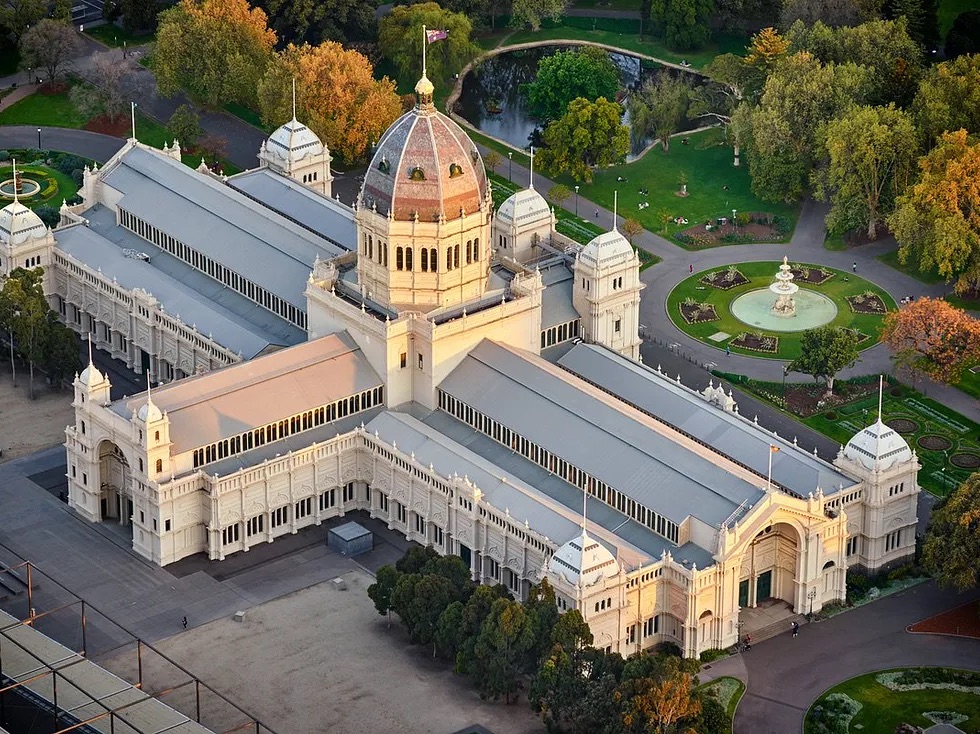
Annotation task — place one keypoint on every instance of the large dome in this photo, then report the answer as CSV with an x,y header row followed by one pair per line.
x,y
583,558
877,444
425,166
18,224
606,249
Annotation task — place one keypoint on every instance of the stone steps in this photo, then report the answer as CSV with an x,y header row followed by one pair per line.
x,y
776,628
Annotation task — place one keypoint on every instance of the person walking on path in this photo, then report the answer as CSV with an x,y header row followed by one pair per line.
x,y
854,267
184,622
796,629
728,350
596,213
691,267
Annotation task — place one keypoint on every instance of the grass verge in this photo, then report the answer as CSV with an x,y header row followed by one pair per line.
x,y
729,692
247,115
834,242
43,110
891,260
115,36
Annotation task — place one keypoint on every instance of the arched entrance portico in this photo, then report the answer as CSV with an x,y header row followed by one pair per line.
x,y
115,499
770,567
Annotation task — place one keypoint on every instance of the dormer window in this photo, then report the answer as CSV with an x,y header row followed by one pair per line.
x,y
417,174
384,166
455,170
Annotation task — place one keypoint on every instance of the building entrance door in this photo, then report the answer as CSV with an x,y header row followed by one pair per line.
x,y
743,593
763,587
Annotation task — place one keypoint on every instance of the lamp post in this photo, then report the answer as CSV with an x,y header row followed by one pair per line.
x,y
811,595
39,138
30,74
785,372
510,165
734,225
576,200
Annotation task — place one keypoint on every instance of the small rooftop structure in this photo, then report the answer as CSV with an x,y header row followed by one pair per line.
x,y
350,539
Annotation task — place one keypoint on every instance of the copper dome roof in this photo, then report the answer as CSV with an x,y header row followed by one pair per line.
x,y
426,165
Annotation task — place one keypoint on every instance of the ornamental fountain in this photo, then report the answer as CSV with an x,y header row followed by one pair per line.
x,y
785,289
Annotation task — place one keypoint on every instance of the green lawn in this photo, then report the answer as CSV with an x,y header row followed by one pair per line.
x,y
760,275
834,242
244,113
52,110
607,4
729,692
891,259
883,709
624,34
949,9
65,189
114,36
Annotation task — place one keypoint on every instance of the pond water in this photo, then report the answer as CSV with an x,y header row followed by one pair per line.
x,y
497,81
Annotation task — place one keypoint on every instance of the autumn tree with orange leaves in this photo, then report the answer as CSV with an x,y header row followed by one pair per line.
x,y
931,337
658,705
215,50
337,96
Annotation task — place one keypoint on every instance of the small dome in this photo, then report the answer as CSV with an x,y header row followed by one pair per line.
x,y
425,166
591,565
19,224
524,208
877,444
292,142
607,249
91,376
148,412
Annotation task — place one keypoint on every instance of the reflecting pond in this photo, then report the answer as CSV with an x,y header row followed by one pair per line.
x,y
491,97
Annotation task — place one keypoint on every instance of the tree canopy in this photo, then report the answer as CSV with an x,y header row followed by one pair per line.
x,y
216,50
589,134
51,45
937,220
932,337
16,16
964,37
337,96
685,23
567,75
400,39
824,352
530,13
659,107
315,21
949,98
951,550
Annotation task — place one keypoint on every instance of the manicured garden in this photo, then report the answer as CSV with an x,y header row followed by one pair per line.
x,y
55,185
877,703
729,692
700,306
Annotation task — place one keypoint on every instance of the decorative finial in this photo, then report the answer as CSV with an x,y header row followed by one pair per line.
x,y
15,184
615,208
531,184
294,99
90,350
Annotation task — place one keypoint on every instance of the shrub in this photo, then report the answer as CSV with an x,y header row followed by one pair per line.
x,y
68,164
667,648
77,175
708,656
4,155
48,214
831,416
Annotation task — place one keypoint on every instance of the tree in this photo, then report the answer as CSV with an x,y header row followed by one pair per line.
x,y
355,113
542,610
657,692
16,16
217,50
184,125
937,221
659,107
476,610
432,595
872,161
951,550
565,674
449,630
631,228
530,13
931,336
505,638
314,21
456,572
922,17
400,38
799,97
948,98
833,13
50,45
559,194
139,15
416,558
686,23
59,352
382,591
567,75
824,352
26,312
590,134
964,37
492,159
766,48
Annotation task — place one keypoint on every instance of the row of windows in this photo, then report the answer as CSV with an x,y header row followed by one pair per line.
x,y
846,499
560,333
558,466
617,283
380,255
310,177
278,430
280,516
896,489
216,270
853,546
893,540
429,257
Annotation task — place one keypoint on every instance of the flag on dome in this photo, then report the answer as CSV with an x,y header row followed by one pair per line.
x,y
433,36
773,449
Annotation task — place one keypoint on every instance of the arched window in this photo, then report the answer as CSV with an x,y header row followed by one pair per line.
x,y
469,251
417,174
370,246
455,256
433,260
159,465
156,435
424,258
455,170
476,250
449,258
408,258
384,246
399,258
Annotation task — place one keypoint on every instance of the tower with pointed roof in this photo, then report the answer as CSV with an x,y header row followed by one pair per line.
x,y
522,222
881,528
295,151
25,241
606,291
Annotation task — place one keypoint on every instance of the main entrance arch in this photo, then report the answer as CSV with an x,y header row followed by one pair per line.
x,y
115,497
770,566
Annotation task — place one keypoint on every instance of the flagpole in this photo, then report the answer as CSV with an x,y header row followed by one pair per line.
x,y
769,475
425,42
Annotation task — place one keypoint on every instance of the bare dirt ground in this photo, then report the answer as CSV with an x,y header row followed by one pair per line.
x,y
29,425
321,660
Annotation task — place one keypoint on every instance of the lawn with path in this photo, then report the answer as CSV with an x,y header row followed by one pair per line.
x,y
883,709
760,275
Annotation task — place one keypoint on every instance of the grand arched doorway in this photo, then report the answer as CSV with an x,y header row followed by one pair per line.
x,y
115,500
769,567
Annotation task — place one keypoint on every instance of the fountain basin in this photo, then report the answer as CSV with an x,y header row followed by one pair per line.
x,y
755,309
28,189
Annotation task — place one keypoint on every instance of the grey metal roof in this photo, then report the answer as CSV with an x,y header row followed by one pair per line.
x,y
219,222
599,513
596,433
556,304
84,689
727,433
272,326
226,402
502,489
327,217
226,328
350,531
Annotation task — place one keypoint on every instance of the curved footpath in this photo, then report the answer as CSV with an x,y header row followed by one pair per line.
x,y
80,142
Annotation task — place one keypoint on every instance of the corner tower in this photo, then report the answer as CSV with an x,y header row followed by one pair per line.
x,y
423,214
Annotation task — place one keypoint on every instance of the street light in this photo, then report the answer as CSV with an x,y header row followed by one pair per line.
x,y
576,200
510,165
39,138
30,74
811,595
733,219
785,372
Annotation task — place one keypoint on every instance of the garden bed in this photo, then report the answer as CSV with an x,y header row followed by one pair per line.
x,y
965,460
705,235
698,313
903,425
869,303
811,275
964,621
724,279
757,343
931,442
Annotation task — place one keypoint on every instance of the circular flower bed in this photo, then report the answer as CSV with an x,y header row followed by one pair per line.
x,y
932,442
965,460
903,425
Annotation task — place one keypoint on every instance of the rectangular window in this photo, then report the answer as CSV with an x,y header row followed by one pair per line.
x,y
383,502
438,536
349,492
403,360
400,511
419,524
230,534
279,517
255,525
166,526
852,545
619,325
303,508
493,569
328,499
512,580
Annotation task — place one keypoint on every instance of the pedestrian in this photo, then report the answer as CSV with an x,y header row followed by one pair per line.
x,y
691,267
854,267
596,213
728,350
184,622
796,629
